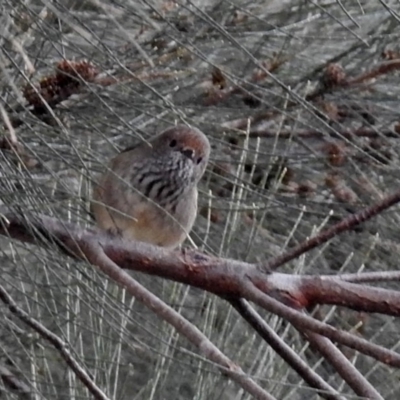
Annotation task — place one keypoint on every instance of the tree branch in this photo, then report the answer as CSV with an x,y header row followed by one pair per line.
x,y
90,246
57,343
290,356
343,366
305,323
224,277
342,226
96,255
14,384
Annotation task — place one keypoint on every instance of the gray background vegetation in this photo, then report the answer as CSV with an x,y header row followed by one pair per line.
x,y
259,196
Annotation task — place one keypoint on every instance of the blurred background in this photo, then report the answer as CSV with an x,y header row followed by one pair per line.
x,y
300,102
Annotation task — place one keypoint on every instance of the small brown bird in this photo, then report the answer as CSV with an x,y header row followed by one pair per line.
x,y
149,192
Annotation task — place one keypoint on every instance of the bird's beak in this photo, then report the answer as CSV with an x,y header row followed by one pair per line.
x,y
189,153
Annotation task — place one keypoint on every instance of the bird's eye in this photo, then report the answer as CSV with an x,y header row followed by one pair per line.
x,y
199,160
172,143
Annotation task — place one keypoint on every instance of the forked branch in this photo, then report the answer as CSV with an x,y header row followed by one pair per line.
x,y
282,294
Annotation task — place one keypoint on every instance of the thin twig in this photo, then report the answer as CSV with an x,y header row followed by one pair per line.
x,y
57,343
14,384
381,69
368,277
342,226
319,134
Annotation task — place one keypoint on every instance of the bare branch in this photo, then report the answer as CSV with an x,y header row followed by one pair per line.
x,y
13,383
57,343
291,357
320,134
342,226
369,277
226,278
305,323
343,366
333,290
97,256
